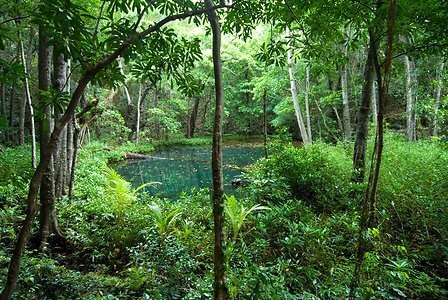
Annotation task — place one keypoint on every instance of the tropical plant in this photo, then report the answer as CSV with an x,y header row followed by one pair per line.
x,y
163,222
237,214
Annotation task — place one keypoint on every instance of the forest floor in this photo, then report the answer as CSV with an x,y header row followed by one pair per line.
x,y
140,247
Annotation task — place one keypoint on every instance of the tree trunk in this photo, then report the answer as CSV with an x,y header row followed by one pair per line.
x,y
137,125
368,205
11,113
437,101
47,184
26,63
362,122
265,122
3,99
410,99
307,105
374,101
220,288
204,115
344,88
193,118
295,98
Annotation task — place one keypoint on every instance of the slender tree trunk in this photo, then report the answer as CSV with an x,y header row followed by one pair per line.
x,y
437,101
362,122
410,99
193,118
338,119
47,184
368,205
26,63
220,288
11,113
265,122
137,125
204,115
307,105
374,101
344,88
3,99
295,98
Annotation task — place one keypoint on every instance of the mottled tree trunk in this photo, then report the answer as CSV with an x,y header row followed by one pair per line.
x,y
344,88
374,102
193,118
47,184
307,104
437,101
362,122
295,98
220,287
410,99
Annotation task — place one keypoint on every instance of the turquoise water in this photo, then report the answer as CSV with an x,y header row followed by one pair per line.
x,y
183,168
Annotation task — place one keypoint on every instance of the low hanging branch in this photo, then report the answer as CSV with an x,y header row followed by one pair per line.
x,y
88,75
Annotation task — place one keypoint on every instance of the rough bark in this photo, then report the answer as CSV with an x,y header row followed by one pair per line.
x,y
362,122
295,98
410,98
220,288
344,88
307,105
437,101
47,184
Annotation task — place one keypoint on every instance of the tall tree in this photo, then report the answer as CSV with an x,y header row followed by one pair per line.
x,y
220,288
437,100
295,97
344,88
410,98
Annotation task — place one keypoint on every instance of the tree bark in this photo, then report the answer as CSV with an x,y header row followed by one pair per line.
x,y
374,101
344,88
437,101
295,98
11,113
307,105
26,63
410,99
362,122
220,288
193,118
265,122
47,184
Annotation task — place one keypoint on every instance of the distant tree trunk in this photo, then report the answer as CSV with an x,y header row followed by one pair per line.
x,y
265,122
12,100
220,288
437,101
142,94
295,98
338,119
70,130
204,115
193,118
362,122
410,99
307,105
3,99
374,101
26,63
344,88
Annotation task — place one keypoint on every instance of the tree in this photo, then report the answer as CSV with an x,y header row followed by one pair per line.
x,y
344,87
91,71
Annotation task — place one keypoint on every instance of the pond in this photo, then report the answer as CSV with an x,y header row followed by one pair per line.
x,y
185,167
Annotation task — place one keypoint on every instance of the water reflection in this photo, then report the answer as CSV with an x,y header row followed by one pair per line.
x,y
182,168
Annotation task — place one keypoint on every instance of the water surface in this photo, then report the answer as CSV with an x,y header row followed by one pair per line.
x,y
185,167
